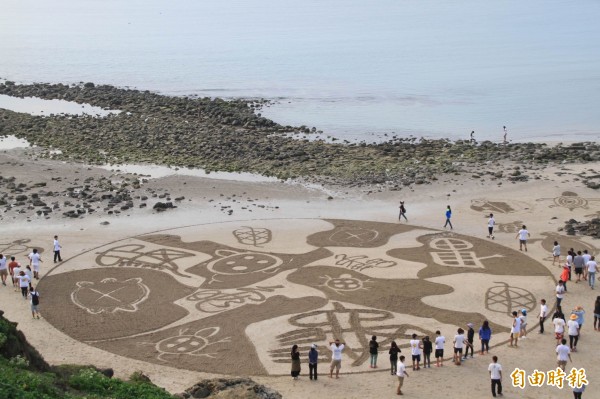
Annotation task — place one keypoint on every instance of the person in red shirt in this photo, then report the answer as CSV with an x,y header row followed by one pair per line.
x,y
11,267
564,276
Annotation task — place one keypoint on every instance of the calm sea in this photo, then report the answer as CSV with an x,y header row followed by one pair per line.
x,y
355,69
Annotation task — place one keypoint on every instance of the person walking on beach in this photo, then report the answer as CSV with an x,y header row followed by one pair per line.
x,y
57,248
597,314
394,350
402,212
401,373
558,319
579,312
563,354
573,329
543,314
556,254
415,347
523,317
336,357
564,277
491,223
448,216
3,269
34,260
495,370
522,235
373,351
578,263
515,330
439,348
485,335
586,258
296,367
17,273
24,283
11,269
313,360
472,136
592,267
35,302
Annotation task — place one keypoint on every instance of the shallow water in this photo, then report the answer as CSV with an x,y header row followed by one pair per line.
x,y
354,69
41,107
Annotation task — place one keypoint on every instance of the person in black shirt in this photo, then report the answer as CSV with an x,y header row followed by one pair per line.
x,y
470,339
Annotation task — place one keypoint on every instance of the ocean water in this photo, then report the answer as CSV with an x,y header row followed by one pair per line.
x,y
354,69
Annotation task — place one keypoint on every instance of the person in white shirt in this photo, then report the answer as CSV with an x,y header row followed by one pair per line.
x,y
522,235
3,269
415,348
459,341
556,253
34,261
491,223
515,329
57,248
563,354
559,326
495,370
586,258
543,314
439,348
16,274
336,357
24,283
592,268
400,373
573,329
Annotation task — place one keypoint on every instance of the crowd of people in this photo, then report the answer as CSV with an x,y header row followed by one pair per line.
x,y
463,343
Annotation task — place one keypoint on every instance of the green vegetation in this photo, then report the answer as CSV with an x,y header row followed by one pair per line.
x,y
25,376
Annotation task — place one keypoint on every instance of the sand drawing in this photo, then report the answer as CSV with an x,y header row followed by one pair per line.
x,y
17,247
353,326
570,200
481,205
253,236
511,227
133,255
132,303
453,252
215,301
344,283
504,298
110,295
189,344
362,262
566,242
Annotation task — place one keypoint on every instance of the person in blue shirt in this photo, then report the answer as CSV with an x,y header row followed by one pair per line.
x,y
485,334
448,216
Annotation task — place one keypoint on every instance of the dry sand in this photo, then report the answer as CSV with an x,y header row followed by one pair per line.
x,y
307,263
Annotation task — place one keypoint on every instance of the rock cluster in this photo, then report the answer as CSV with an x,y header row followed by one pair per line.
x,y
215,134
243,388
588,228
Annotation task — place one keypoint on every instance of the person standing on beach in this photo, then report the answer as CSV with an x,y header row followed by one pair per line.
x,y
504,140
439,349
427,349
401,372
592,267
515,330
472,136
296,367
57,248
491,223
543,314
459,342
448,216
470,340
556,253
402,212
373,351
35,302
522,235
597,314
394,350
415,347
3,269
313,360
495,370
485,335
34,260
336,357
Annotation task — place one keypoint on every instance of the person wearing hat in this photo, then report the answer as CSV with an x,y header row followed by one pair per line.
x,y
523,323
573,329
313,359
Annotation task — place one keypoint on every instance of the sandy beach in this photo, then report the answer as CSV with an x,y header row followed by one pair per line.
x,y
315,254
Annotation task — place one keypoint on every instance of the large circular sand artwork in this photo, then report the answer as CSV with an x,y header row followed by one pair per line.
x,y
233,297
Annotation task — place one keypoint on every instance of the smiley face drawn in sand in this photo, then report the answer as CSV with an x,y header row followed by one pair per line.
x,y
234,263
